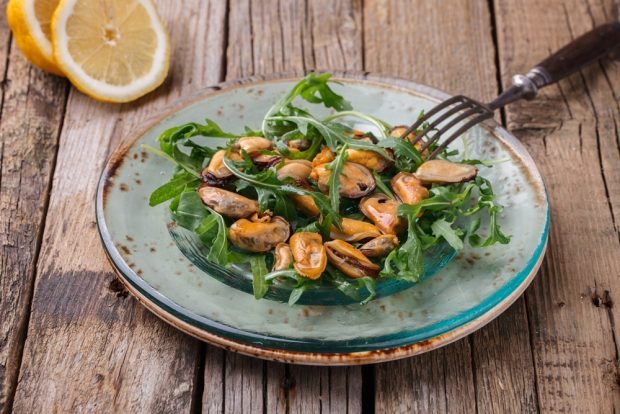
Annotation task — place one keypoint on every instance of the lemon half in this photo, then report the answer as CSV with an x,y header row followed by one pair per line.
x,y
30,22
111,50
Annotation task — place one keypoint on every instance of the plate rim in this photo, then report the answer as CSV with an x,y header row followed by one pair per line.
x,y
156,302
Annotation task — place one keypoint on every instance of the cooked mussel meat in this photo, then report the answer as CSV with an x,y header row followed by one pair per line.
x,y
300,144
216,171
408,188
226,202
354,230
306,204
355,180
298,170
379,246
349,260
253,145
323,157
399,130
369,159
266,160
283,257
381,210
445,172
309,255
260,234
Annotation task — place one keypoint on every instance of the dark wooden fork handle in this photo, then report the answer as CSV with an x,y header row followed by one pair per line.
x,y
582,51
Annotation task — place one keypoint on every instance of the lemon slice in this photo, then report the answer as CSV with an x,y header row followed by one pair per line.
x,y
112,50
30,22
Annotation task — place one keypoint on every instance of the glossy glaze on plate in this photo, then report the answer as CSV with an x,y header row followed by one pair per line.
x,y
469,292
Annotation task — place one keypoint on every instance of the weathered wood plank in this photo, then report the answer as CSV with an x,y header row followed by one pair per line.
x,y
213,393
571,130
325,390
245,382
279,385
31,113
438,381
5,46
266,37
450,47
90,347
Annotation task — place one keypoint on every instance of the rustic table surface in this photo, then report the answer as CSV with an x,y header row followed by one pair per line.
x,y
71,340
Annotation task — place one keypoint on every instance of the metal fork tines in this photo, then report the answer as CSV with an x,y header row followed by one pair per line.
x,y
445,116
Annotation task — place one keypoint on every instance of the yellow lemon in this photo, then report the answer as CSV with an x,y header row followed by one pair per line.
x,y
30,22
111,50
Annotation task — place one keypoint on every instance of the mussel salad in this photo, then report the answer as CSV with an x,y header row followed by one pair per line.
x,y
341,201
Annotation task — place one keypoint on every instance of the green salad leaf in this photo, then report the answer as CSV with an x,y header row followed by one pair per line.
x,y
406,262
259,271
173,188
406,156
334,179
189,212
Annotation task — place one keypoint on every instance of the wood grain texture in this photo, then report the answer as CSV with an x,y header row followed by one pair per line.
x,y
450,47
91,347
325,390
31,115
5,47
266,37
571,130
439,381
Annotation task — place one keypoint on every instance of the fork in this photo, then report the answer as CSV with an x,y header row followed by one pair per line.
x,y
468,112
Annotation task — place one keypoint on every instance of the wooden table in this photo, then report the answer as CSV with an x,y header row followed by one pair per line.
x,y
71,340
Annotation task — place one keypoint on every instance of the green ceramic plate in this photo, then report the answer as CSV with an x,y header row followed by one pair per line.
x,y
468,293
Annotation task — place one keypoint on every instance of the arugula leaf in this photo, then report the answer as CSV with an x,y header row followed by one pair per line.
x,y
381,125
172,188
334,179
332,135
370,285
406,262
486,200
308,88
170,137
449,203
313,227
300,283
381,185
406,155
316,140
313,88
285,274
441,228
207,229
317,84
260,285
350,287
250,132
189,212
486,163
219,250
296,294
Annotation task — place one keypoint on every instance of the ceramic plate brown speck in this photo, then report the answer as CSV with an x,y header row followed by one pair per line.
x,y
468,293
